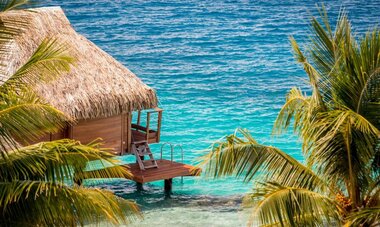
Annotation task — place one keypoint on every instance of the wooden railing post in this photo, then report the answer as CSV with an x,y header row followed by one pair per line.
x,y
159,126
138,117
129,132
147,126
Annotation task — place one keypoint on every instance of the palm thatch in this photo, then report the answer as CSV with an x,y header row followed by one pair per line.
x,y
96,86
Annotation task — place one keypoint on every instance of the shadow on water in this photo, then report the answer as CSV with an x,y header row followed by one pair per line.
x,y
152,196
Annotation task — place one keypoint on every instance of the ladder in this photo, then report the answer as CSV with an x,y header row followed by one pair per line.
x,y
141,149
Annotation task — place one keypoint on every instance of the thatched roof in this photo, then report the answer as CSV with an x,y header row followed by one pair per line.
x,y
97,85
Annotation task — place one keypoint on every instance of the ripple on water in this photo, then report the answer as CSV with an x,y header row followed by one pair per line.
x,y
216,65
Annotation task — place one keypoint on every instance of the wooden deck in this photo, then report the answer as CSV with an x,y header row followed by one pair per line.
x,y
166,170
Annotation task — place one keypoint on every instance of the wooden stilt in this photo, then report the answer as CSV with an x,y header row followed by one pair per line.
x,y
139,186
78,181
168,185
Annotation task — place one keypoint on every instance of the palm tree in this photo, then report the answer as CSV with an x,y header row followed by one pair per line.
x,y
338,121
36,186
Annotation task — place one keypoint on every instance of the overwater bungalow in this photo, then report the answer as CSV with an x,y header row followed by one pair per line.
x,y
101,95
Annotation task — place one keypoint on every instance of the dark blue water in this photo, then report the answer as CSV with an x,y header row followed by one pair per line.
x,y
216,66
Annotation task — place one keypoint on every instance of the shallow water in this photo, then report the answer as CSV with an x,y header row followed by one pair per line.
x,y
216,66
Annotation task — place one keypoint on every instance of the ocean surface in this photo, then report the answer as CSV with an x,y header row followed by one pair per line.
x,y
216,66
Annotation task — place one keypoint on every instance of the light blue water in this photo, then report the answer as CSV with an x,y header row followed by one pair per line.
x,y
216,66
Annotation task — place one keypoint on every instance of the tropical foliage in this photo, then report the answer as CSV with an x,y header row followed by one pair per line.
x,y
36,181
338,122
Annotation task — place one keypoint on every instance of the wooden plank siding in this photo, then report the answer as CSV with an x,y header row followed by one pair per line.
x,y
48,137
117,132
109,129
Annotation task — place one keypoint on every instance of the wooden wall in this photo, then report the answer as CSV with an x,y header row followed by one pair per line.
x,y
115,132
48,137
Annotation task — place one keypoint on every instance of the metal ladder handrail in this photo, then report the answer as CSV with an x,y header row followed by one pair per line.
x,y
171,150
182,153
182,156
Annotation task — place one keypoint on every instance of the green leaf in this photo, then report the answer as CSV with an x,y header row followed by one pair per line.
x,y
59,161
245,157
365,217
6,5
277,205
42,203
47,63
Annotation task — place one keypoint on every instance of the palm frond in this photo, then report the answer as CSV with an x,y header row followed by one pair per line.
x,y
6,5
277,205
372,194
368,67
60,161
339,122
337,131
325,43
18,99
312,73
295,108
17,122
365,217
49,61
245,157
30,202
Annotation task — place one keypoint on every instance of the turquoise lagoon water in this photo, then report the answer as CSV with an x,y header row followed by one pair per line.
x,y
216,66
